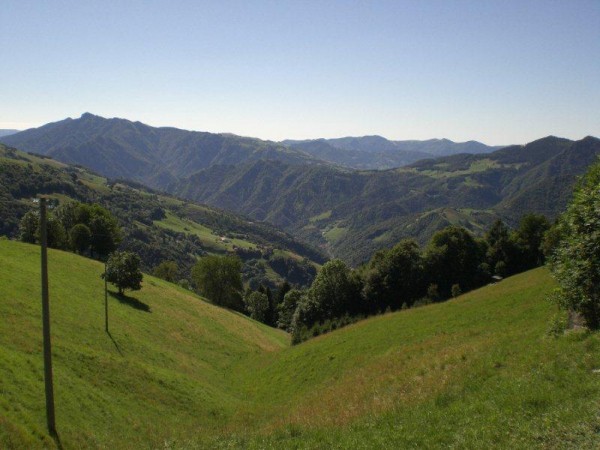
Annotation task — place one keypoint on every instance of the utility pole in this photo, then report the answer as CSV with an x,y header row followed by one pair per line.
x,y
105,300
46,323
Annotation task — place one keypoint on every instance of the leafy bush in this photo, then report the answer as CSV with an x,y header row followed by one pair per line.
x,y
576,260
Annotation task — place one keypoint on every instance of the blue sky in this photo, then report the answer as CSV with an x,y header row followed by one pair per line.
x,y
496,71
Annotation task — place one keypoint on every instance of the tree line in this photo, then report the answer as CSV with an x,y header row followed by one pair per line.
x,y
89,230
85,229
404,276
453,262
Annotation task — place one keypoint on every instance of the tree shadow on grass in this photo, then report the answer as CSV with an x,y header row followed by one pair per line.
x,y
130,301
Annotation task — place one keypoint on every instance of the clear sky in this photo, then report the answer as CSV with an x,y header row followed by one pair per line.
x,y
500,72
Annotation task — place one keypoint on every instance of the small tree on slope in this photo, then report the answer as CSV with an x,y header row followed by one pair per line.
x,y
123,270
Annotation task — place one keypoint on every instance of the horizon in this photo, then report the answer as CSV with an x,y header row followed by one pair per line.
x,y
499,73
307,139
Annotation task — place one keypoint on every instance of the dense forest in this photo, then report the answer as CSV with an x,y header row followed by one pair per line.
x,y
405,276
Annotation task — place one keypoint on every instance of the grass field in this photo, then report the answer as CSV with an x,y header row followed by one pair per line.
x,y
480,371
161,372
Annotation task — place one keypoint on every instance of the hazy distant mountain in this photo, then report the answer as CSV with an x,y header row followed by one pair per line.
x,y
4,132
353,213
376,152
119,148
350,213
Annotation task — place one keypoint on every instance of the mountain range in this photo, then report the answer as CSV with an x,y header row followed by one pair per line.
x,y
376,152
159,156
119,148
353,213
349,213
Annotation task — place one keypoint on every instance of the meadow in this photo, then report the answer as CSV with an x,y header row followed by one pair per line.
x,y
479,371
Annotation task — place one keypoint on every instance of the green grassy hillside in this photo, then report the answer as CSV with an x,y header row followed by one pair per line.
x,y
164,370
476,372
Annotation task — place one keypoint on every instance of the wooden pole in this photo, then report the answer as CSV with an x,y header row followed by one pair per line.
x,y
105,300
46,322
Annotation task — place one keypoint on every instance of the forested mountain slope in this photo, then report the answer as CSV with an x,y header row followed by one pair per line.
x,y
156,226
119,148
352,213
347,213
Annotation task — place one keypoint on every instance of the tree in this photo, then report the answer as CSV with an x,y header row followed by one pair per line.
x,y
283,289
270,315
56,234
123,270
80,237
394,277
287,308
576,260
334,290
530,237
106,233
454,257
257,305
456,291
219,279
167,270
29,230
29,227
307,313
502,253
67,214
551,240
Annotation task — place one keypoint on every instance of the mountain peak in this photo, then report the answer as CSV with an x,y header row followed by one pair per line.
x,y
88,116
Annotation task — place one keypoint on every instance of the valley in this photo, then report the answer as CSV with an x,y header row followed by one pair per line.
x,y
300,225
477,370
